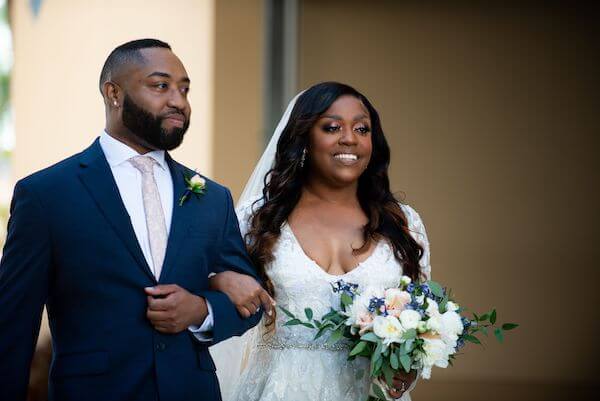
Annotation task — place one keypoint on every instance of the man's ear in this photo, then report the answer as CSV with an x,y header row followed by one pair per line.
x,y
113,94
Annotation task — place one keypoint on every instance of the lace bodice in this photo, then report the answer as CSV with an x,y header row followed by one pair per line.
x,y
287,363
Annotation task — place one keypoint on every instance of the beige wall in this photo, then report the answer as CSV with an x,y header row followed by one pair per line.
x,y
490,115
238,133
58,57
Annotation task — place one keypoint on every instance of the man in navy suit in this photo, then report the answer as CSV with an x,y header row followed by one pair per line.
x,y
108,242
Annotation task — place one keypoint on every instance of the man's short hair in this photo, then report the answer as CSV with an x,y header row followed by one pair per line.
x,y
127,53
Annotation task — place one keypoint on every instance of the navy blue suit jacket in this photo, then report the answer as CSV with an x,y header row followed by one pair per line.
x,y
71,246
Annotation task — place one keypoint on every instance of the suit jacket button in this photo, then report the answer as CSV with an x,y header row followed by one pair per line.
x,y
161,346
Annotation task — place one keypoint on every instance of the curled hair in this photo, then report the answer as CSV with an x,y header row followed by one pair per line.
x,y
284,182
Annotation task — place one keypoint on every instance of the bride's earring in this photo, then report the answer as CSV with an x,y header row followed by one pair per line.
x,y
303,158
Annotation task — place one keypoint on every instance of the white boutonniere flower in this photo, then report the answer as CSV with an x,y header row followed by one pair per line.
x,y
195,185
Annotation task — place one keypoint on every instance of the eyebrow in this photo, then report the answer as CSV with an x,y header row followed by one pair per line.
x,y
336,117
165,75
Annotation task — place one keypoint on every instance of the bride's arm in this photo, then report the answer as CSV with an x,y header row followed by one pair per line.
x,y
417,229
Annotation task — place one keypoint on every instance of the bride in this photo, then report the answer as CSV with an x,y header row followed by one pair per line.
x,y
318,209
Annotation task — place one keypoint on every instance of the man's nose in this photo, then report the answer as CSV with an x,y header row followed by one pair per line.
x,y
177,100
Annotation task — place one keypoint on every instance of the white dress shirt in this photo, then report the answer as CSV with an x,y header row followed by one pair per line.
x,y
129,183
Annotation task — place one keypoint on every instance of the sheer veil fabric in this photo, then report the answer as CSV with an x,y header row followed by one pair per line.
x,y
231,356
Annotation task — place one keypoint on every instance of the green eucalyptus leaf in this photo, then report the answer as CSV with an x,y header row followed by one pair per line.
x,y
378,391
371,337
320,332
409,334
358,348
287,312
309,313
493,317
395,360
292,322
388,373
435,288
335,336
346,299
499,335
472,339
405,362
509,326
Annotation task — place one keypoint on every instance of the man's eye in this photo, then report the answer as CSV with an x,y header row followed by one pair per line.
x,y
185,90
161,85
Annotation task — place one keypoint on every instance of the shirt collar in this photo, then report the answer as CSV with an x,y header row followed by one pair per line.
x,y
117,152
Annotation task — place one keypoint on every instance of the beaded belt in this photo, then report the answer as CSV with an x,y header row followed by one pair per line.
x,y
275,343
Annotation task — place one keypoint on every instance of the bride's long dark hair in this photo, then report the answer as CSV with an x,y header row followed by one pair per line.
x,y
284,182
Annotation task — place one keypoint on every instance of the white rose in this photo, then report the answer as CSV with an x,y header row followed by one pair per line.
x,y
197,180
435,353
451,328
410,319
434,323
405,280
420,299
451,306
432,308
388,328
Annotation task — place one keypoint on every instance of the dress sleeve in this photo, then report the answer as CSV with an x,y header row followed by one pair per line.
x,y
417,229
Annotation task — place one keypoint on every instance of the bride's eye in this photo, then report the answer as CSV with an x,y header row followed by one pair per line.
x,y
363,129
331,128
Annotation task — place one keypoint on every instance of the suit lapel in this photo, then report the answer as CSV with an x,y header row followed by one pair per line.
x,y
180,217
97,178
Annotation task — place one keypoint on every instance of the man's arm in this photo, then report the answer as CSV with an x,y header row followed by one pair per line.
x,y
233,257
175,309
24,272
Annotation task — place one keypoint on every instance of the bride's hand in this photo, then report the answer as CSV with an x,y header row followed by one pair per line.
x,y
402,382
244,291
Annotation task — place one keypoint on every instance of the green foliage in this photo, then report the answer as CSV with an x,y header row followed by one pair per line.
x,y
4,76
3,220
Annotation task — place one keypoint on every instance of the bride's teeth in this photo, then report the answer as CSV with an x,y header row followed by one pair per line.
x,y
346,156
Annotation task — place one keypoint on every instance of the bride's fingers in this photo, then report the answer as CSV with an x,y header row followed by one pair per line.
x,y
267,302
395,393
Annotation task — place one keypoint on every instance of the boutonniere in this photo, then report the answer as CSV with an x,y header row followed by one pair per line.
x,y
195,185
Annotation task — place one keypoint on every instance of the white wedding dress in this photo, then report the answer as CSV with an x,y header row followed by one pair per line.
x,y
287,364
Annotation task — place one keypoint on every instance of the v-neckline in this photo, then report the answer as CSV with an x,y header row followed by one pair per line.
x,y
318,266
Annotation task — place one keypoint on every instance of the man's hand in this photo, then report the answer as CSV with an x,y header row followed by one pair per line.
x,y
172,309
244,291
402,382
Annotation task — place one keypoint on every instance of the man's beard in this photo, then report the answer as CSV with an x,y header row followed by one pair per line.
x,y
148,127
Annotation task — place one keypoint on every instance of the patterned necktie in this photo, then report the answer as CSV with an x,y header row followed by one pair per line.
x,y
155,217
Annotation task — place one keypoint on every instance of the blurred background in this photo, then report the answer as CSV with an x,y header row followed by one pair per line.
x,y
491,110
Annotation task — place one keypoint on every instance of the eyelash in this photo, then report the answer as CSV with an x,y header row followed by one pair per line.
x,y
334,128
162,86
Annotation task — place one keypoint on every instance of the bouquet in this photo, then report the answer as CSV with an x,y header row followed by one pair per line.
x,y
415,326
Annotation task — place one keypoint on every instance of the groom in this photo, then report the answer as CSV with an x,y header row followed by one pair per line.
x,y
105,240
